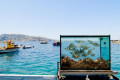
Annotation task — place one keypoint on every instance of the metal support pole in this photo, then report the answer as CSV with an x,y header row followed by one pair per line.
x,y
87,78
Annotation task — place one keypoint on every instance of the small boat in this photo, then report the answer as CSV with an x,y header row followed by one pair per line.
x,y
11,47
44,42
56,44
26,47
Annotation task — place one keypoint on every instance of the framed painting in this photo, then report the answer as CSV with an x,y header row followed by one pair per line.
x,y
85,52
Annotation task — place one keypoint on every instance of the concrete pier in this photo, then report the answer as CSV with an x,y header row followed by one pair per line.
x,y
27,77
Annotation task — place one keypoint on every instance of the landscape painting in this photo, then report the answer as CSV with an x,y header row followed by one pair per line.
x,y
85,53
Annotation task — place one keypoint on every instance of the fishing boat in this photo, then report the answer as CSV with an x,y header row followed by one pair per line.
x,y
44,42
56,44
11,47
26,47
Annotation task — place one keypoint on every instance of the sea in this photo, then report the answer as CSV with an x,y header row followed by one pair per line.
x,y
42,59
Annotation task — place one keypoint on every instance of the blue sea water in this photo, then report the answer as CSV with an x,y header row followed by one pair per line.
x,y
42,59
115,58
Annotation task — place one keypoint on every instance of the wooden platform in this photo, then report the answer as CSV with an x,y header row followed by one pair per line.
x,y
91,77
86,72
103,75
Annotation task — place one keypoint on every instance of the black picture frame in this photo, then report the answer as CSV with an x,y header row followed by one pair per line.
x,y
88,36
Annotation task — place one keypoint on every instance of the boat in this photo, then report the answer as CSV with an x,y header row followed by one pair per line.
x,y
11,47
56,44
44,42
26,47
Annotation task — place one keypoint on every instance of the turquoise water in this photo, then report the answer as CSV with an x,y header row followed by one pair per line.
x,y
115,58
41,60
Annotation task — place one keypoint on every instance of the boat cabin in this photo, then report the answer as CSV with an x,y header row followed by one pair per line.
x,y
10,44
85,57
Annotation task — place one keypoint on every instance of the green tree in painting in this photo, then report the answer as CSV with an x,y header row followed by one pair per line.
x,y
81,49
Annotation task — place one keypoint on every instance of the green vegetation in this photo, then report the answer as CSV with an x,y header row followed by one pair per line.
x,y
81,49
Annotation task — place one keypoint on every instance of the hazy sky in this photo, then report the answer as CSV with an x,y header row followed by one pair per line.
x,y
51,18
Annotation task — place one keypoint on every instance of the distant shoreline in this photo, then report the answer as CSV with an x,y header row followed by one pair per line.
x,y
22,37
115,41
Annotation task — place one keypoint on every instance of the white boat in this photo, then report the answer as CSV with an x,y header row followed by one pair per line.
x,y
26,47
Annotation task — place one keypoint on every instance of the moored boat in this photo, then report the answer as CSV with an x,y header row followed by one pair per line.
x,y
56,44
26,47
44,42
11,47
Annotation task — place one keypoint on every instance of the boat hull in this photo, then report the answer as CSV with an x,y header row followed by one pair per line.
x,y
27,47
9,50
56,44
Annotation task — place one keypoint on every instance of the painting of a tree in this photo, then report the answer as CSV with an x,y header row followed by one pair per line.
x,y
83,53
80,49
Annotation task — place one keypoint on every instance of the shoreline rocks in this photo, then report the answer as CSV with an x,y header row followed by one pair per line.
x,y
85,64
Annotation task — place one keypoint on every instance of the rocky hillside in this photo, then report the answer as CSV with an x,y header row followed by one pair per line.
x,y
21,37
115,41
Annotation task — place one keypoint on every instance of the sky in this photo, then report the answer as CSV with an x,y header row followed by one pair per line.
x,y
52,18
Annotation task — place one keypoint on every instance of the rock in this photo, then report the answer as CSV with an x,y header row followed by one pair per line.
x,y
85,64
